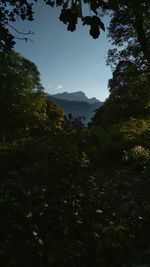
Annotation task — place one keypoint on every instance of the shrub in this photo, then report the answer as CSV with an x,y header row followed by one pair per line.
x,y
138,156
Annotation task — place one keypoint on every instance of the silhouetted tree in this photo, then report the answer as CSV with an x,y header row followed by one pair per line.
x,y
129,32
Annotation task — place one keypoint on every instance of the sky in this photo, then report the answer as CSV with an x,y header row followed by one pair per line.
x,y
67,61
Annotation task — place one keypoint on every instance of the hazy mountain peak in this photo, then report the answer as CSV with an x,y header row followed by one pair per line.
x,y
76,103
75,96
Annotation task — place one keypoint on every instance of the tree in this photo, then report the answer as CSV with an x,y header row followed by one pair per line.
x,y
126,98
22,102
129,31
55,114
9,12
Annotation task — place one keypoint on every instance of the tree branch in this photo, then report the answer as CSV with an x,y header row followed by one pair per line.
x,y
23,33
23,38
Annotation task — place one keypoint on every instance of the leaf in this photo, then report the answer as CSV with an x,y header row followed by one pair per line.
x,y
87,20
102,26
71,27
96,21
95,32
50,3
65,15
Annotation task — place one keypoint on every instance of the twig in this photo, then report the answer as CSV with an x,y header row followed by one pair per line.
x,y
23,38
24,33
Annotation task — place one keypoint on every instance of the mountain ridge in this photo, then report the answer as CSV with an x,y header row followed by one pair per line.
x,y
78,96
81,108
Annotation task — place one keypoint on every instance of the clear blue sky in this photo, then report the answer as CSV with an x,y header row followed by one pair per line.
x,y
67,61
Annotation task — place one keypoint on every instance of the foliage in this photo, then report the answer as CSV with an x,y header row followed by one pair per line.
x,y
100,146
71,195
138,156
22,102
126,98
57,196
55,114
109,145
70,12
66,209
9,12
129,19
136,132
129,33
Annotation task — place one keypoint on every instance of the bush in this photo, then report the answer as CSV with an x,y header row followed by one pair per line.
x,y
138,156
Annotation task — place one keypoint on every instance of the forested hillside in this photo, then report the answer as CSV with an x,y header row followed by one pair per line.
x,y
72,195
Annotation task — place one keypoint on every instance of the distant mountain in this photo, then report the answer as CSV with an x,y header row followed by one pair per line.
x,y
75,96
76,103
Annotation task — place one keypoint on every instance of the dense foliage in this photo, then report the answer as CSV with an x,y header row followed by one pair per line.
x,y
129,30
126,98
72,195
